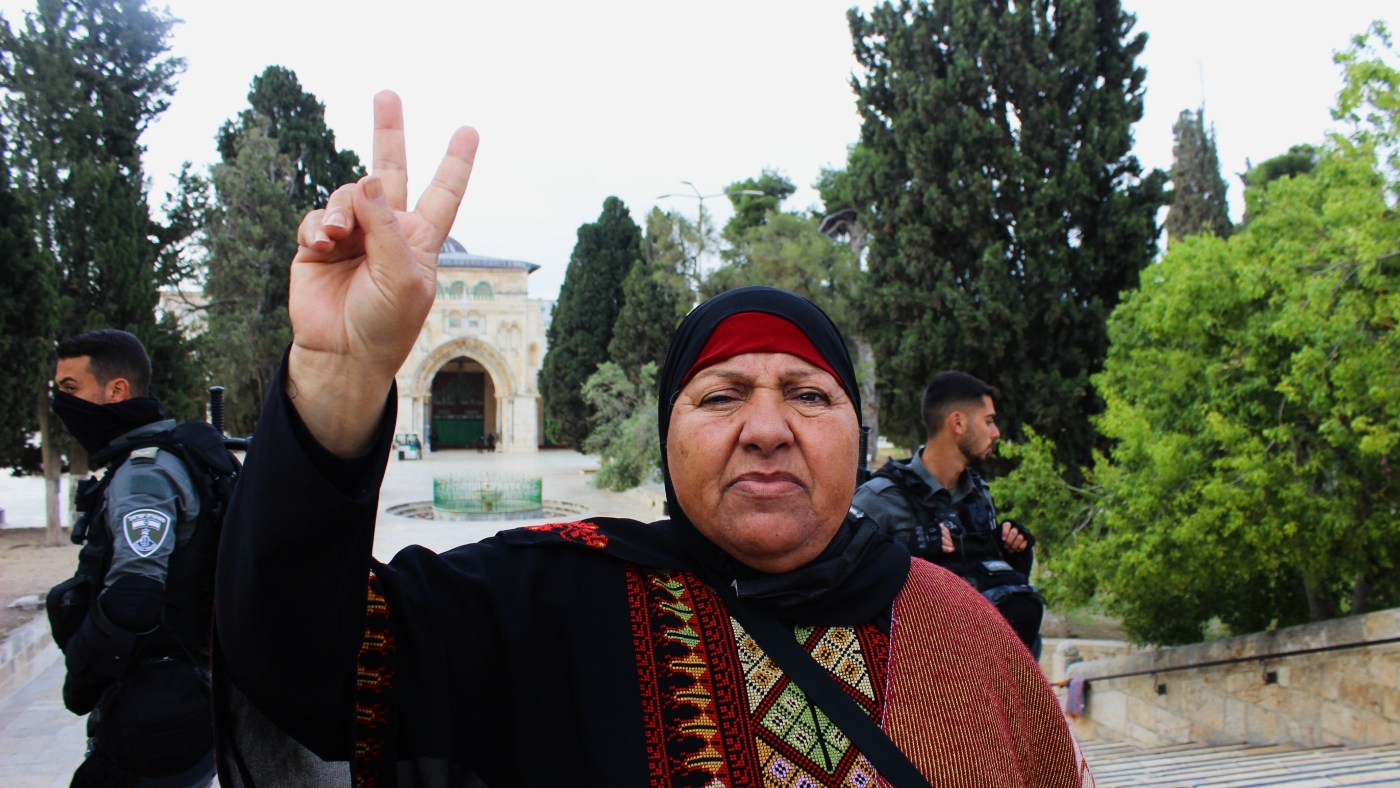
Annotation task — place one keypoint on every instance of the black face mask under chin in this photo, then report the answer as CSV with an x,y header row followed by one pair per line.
x,y
95,426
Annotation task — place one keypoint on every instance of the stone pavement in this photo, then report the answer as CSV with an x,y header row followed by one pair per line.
x,y
1121,765
567,478
41,743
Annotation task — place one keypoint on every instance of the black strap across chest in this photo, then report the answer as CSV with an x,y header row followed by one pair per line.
x,y
779,644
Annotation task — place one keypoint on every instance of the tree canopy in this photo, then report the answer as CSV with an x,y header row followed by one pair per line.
x,y
83,81
1251,399
1005,208
28,323
1198,191
582,324
751,210
279,160
656,294
281,109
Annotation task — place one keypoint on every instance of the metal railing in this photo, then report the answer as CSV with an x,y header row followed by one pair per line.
x,y
1239,660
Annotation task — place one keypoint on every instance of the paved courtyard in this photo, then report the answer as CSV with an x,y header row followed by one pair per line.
x,y
566,476
41,742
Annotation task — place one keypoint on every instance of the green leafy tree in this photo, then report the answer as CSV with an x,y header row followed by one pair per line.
x,y
1006,210
656,294
625,432
1299,160
83,81
28,324
250,238
1251,399
789,252
582,323
849,210
279,160
282,110
1198,191
751,210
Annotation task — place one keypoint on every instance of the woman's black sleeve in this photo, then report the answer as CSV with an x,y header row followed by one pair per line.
x,y
290,588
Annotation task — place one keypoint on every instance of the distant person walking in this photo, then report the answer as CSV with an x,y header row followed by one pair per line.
x,y
491,442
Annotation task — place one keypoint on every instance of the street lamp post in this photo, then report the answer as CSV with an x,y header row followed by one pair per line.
x,y
700,227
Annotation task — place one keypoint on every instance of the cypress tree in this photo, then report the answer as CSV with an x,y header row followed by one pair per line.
x,y
656,296
282,110
279,161
83,82
1005,208
1198,200
582,323
250,237
28,321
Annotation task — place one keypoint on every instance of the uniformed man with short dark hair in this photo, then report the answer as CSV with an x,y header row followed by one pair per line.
x,y
135,638
942,510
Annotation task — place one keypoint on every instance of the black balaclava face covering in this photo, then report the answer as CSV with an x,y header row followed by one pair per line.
x,y
95,426
858,574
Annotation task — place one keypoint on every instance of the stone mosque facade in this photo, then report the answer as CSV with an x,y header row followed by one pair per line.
x,y
473,370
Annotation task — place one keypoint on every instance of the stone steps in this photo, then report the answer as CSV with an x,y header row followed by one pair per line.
x,y
1121,765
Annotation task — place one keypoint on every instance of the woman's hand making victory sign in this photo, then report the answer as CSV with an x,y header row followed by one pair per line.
x,y
363,280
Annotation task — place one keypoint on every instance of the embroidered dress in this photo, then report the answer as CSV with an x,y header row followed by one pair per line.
x,y
583,654
722,712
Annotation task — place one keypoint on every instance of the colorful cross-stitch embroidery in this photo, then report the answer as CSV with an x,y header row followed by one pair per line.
x,y
374,677
581,532
719,712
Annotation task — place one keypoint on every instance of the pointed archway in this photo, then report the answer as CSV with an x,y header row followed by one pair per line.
x,y
509,412
461,411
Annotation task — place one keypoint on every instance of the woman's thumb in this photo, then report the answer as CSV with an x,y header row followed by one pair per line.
x,y
383,237
372,208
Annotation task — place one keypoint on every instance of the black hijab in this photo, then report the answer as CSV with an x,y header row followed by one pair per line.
x,y
857,576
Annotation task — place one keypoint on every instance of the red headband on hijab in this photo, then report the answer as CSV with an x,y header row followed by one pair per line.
x,y
757,332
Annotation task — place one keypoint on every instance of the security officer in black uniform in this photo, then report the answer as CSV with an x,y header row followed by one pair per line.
x,y
942,510
134,622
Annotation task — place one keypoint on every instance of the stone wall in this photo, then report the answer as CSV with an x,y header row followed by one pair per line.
x,y
1348,696
1057,654
26,652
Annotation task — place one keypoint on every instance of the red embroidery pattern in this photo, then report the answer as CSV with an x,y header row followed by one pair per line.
x,y
717,711
374,676
581,532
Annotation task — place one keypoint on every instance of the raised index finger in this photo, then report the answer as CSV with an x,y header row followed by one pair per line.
x,y
440,201
390,154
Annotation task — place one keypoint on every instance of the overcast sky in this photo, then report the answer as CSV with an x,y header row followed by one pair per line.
x,y
577,101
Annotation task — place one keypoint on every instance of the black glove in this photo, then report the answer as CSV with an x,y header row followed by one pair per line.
x,y
104,647
1021,561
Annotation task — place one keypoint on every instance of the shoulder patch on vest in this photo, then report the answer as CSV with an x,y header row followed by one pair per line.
x,y
878,484
145,530
148,453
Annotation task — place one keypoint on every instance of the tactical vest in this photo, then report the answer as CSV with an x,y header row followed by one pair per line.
x,y
189,584
978,556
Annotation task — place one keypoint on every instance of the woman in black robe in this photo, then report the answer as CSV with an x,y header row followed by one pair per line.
x,y
601,652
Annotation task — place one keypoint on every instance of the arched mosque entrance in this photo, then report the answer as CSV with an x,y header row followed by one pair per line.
x,y
461,408
464,388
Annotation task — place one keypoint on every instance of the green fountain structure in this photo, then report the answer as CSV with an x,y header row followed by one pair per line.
x,y
489,496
